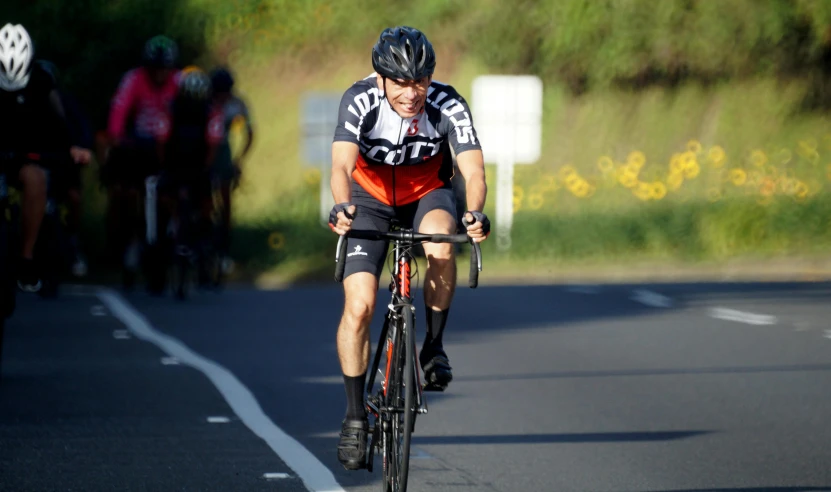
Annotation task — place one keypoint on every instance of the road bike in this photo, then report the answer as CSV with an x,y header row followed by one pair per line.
x,y
393,406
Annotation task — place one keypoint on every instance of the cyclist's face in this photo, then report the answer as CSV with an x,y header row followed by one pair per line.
x,y
406,96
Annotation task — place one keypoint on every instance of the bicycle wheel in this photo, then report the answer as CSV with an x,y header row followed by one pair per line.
x,y
401,391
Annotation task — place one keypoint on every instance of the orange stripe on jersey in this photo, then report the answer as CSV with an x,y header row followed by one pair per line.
x,y
412,182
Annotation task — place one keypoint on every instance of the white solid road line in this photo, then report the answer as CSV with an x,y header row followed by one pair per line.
x,y
742,316
651,299
315,476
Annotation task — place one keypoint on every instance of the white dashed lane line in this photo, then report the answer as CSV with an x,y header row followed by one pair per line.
x,y
314,474
742,316
651,299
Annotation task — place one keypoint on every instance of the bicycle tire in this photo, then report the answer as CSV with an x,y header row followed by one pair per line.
x,y
401,387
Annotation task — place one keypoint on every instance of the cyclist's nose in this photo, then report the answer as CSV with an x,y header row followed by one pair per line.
x,y
410,93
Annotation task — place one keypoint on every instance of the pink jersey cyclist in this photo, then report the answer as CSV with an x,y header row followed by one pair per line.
x,y
140,111
139,120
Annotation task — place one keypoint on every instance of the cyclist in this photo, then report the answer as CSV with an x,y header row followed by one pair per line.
x,y
139,116
33,121
391,160
226,169
67,181
196,130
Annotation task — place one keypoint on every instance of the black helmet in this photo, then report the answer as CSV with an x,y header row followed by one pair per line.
x,y
160,52
403,53
222,80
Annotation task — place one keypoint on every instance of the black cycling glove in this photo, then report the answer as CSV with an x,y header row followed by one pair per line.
x,y
480,217
340,207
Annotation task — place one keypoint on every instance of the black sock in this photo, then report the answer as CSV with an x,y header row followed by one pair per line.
x,y
355,406
435,328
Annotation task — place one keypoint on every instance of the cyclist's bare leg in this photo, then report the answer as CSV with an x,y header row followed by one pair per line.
x,y
440,279
360,290
33,206
439,287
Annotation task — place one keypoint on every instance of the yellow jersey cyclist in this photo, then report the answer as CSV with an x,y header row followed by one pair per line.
x,y
391,160
226,169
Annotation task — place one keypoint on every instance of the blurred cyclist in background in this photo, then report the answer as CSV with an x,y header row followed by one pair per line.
x,y
190,148
67,180
226,169
139,120
32,122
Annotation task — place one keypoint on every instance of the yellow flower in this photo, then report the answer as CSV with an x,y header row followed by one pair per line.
x,y
606,164
642,191
768,187
517,204
676,163
738,176
636,159
276,240
535,201
549,183
566,171
691,171
519,192
675,180
716,156
628,179
758,158
657,190
694,146
801,190
572,181
788,185
581,189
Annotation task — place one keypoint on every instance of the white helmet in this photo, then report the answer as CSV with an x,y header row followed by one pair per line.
x,y
16,53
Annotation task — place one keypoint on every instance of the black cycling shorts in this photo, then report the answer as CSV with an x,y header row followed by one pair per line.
x,y
363,255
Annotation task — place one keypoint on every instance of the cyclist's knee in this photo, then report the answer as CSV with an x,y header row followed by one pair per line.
x,y
360,291
439,253
359,312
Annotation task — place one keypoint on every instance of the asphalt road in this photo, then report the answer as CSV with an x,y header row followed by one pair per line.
x,y
670,388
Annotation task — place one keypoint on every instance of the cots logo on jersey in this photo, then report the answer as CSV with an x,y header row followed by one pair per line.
x,y
357,252
451,108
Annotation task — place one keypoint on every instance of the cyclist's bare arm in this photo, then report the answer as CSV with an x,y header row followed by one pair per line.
x,y
344,160
472,166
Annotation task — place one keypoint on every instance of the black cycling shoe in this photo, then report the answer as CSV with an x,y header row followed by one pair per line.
x,y
437,373
28,279
352,445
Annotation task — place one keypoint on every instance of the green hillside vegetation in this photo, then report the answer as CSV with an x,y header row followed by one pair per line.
x,y
686,130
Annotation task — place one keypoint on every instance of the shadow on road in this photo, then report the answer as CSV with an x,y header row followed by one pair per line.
x,y
753,489
581,437
647,372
